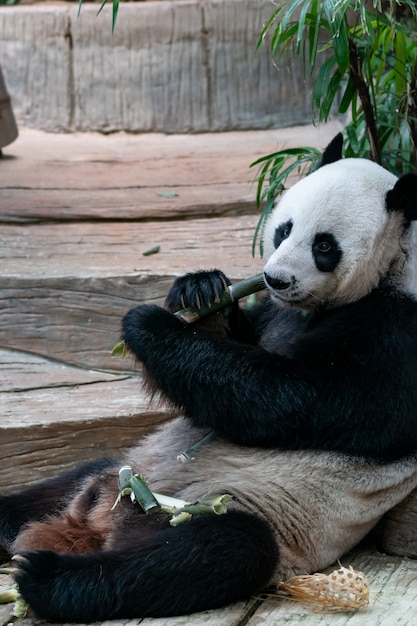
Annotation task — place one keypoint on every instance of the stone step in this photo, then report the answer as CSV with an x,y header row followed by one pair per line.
x,y
72,263
172,66
87,176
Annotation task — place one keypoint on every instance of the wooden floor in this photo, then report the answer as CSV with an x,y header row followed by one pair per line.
x,y
77,212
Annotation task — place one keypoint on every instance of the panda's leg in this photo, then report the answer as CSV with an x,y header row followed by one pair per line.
x,y
38,501
202,564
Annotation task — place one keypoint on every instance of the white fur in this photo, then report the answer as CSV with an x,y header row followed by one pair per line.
x,y
347,199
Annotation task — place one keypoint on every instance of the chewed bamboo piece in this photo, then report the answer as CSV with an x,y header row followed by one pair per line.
x,y
344,589
134,486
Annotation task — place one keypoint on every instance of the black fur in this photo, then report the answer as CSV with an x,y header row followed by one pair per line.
x,y
403,197
282,232
333,151
331,386
326,252
203,564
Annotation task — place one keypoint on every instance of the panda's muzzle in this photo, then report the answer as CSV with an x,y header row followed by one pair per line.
x,y
278,284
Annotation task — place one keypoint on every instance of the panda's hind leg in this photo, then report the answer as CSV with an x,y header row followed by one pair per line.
x,y
202,564
39,501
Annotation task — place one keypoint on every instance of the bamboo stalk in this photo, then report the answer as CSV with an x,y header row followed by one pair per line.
x,y
8,595
239,290
189,454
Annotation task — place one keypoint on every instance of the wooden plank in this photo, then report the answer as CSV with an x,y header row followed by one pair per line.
x,y
55,415
90,176
108,250
68,301
233,615
128,204
35,451
20,371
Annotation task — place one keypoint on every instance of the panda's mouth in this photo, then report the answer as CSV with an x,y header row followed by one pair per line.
x,y
288,299
287,292
292,299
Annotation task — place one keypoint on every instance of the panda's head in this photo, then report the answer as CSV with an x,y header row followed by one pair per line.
x,y
337,233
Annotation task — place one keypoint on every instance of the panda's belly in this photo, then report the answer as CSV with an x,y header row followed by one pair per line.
x,y
320,504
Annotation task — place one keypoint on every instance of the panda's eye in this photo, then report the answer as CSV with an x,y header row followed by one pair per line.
x,y
326,252
324,246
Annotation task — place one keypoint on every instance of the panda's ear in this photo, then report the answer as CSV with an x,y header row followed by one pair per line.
x,y
403,196
333,152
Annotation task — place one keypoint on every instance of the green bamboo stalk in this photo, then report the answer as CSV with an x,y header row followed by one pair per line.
x,y
189,454
239,290
8,595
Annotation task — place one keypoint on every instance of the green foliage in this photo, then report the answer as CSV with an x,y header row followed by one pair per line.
x,y
278,166
115,10
363,57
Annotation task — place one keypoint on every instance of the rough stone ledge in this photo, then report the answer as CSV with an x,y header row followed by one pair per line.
x,y
184,66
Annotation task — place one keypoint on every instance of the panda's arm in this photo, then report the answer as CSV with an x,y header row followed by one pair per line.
x,y
241,390
342,396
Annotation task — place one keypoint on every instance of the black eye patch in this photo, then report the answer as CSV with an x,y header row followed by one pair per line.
x,y
282,232
326,252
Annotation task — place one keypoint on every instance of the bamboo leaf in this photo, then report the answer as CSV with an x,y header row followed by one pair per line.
x,y
314,36
289,152
352,138
279,172
114,16
322,81
102,7
339,32
400,63
301,25
349,92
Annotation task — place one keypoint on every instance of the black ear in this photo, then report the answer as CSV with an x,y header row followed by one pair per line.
x,y
403,196
333,152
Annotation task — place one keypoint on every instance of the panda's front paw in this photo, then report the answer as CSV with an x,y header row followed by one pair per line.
x,y
197,290
147,329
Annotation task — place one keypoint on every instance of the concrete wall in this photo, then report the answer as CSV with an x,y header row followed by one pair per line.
x,y
170,66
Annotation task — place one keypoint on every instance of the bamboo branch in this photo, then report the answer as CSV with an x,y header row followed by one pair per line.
x,y
355,72
412,117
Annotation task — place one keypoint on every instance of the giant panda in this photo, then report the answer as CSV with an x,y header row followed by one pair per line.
x,y
311,398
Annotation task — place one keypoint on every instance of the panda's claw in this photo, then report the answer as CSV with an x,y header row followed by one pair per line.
x,y
198,289
20,559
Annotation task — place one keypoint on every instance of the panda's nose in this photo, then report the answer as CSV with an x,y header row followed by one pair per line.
x,y
277,283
